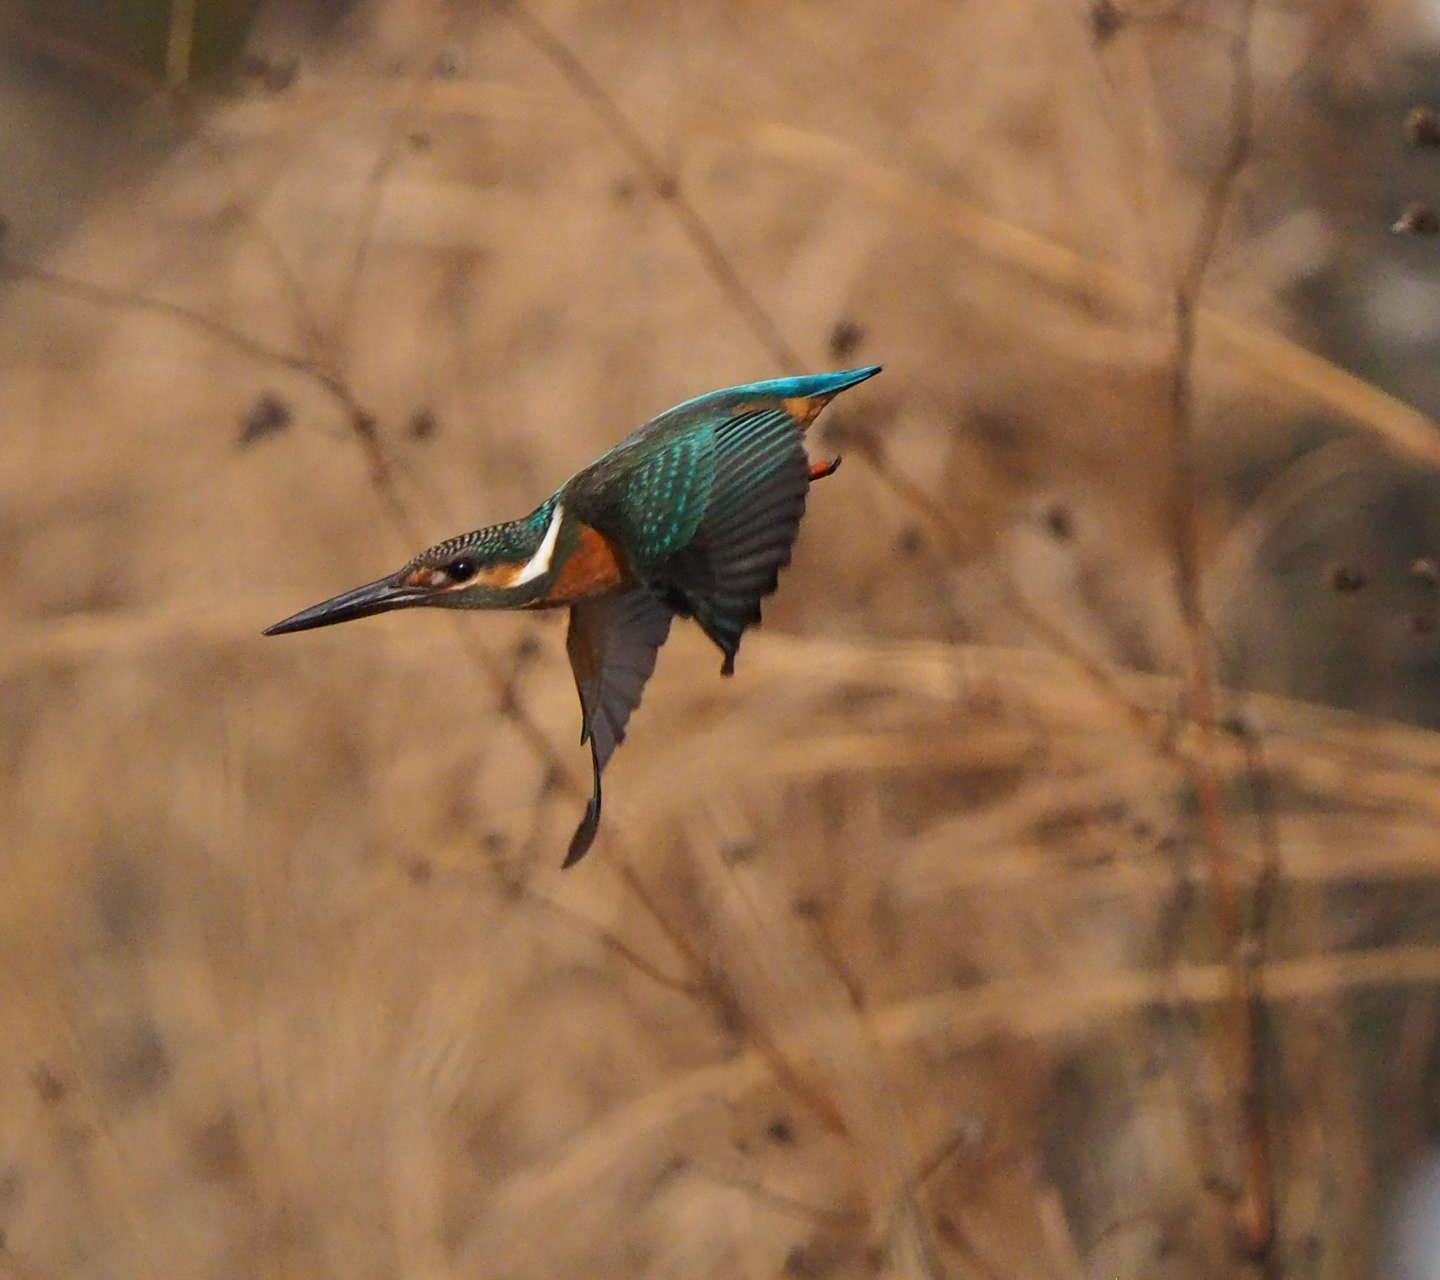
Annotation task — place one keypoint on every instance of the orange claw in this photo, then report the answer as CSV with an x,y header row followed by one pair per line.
x,y
819,470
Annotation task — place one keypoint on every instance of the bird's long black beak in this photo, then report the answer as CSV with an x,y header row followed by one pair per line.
x,y
375,597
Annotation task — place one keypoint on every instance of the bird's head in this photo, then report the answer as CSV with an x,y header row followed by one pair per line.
x,y
505,566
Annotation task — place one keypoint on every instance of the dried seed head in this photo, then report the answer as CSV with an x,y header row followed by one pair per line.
x,y
449,63
1417,220
738,852
1422,128
1059,522
1106,19
1345,580
274,75
1237,726
48,1084
268,416
845,337
780,1131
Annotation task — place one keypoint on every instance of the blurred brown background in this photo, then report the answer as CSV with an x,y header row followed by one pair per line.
x,y
940,941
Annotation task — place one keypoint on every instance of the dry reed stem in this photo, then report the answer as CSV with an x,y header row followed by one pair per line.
x,y
325,92
1272,358
318,364
946,686
311,334
718,991
839,1046
666,185
663,182
1295,488
413,95
881,751
1048,633
1041,1008
1256,1211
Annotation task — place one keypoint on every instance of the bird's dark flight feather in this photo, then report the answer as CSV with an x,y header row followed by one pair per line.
x,y
745,534
612,643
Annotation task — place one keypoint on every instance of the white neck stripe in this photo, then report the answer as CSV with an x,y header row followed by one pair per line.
x,y
540,562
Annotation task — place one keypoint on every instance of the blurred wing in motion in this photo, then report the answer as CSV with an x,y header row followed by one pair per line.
x,y
612,642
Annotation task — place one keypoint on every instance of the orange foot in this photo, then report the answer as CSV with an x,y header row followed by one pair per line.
x,y
819,470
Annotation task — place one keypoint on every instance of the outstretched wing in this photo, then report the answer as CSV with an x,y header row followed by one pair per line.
x,y
707,499
747,529
612,643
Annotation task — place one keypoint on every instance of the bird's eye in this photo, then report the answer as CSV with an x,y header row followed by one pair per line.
x,y
461,570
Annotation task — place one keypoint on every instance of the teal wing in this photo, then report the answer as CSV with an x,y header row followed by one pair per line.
x,y
707,501
650,492
612,643
746,530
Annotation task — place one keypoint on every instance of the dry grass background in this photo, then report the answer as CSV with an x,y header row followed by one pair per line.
x,y
899,953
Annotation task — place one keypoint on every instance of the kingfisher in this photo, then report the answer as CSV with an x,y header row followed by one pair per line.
x,y
693,514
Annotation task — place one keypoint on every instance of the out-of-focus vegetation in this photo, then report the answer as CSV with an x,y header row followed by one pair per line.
x,y
132,39
999,918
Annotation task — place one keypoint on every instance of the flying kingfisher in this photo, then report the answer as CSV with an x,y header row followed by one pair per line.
x,y
693,514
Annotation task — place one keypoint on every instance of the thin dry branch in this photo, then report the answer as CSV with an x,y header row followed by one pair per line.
x,y
939,521
369,211
1088,279
1040,1007
662,181
1256,1208
1274,360
317,365
667,186
513,886
1252,958
311,334
361,420
777,1200
959,1238
732,1011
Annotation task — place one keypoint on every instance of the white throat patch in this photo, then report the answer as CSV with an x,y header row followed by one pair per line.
x,y
539,563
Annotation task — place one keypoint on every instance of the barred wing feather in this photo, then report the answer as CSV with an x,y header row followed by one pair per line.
x,y
747,530
612,643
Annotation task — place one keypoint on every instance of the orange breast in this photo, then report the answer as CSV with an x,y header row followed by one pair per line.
x,y
596,565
